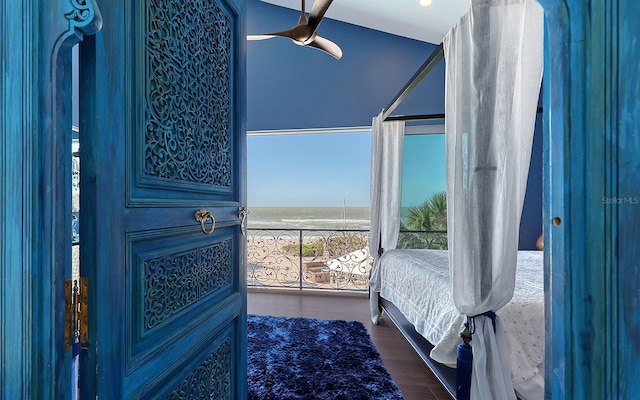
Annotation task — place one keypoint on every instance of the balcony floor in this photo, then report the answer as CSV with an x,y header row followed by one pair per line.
x,y
413,377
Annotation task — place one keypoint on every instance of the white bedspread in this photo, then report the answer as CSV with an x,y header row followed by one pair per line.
x,y
418,283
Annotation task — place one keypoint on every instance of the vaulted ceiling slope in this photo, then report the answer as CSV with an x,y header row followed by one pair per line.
x,y
399,17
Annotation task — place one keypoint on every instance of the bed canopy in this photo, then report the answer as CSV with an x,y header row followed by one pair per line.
x,y
494,58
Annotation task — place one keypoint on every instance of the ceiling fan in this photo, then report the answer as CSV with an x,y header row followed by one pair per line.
x,y
304,34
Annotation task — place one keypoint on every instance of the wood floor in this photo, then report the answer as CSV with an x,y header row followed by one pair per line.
x,y
413,377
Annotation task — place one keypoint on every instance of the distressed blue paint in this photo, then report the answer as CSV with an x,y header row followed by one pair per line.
x,y
626,308
36,98
592,153
52,205
555,345
134,211
15,268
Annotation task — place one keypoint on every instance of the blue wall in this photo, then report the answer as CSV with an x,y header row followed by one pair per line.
x,y
291,87
531,222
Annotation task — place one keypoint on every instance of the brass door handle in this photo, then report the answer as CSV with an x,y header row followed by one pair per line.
x,y
242,214
202,216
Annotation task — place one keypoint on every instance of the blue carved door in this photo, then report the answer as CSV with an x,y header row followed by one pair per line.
x,y
163,156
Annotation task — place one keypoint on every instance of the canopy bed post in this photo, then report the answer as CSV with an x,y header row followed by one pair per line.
x,y
494,68
426,67
387,145
493,82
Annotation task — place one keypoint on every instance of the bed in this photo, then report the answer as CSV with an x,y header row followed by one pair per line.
x,y
492,84
417,284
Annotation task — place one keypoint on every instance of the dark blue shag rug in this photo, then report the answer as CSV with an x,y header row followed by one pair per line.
x,y
299,358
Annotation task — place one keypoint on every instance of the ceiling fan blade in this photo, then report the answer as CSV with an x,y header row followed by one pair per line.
x,y
304,33
327,46
260,37
287,33
303,15
318,9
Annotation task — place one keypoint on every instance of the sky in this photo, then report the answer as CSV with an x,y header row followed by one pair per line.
x,y
424,168
325,170
311,170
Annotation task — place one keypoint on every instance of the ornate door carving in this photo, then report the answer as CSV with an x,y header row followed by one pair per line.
x,y
163,138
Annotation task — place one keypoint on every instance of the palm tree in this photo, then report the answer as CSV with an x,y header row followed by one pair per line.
x,y
429,216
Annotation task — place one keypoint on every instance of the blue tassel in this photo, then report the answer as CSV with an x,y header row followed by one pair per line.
x,y
465,362
463,372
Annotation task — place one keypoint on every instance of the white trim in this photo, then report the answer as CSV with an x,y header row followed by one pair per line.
x,y
409,130
424,129
274,132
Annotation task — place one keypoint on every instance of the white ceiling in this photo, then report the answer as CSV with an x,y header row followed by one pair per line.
x,y
399,17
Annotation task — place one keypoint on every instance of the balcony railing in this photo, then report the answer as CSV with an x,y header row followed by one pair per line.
x,y
329,259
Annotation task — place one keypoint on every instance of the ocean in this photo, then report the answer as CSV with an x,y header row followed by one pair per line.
x,y
309,217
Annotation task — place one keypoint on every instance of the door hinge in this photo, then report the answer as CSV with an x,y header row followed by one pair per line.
x,y
76,312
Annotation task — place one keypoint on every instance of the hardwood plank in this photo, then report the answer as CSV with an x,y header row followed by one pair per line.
x,y
407,369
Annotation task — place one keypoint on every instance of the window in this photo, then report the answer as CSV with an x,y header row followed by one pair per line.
x,y
424,189
309,180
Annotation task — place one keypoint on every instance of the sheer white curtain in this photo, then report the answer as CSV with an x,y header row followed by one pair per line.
x,y
494,59
387,145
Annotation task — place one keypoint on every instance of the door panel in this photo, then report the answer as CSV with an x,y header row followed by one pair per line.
x,y
179,279
165,138
183,74
209,366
